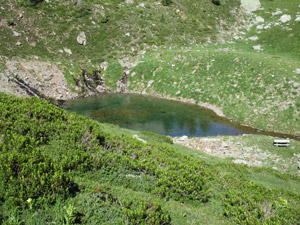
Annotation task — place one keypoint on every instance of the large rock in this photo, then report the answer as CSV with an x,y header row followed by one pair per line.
x,y
250,5
285,18
81,39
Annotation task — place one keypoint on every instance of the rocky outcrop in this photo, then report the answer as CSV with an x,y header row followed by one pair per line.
x,y
46,80
42,77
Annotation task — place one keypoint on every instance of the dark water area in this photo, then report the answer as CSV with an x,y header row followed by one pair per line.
x,y
144,113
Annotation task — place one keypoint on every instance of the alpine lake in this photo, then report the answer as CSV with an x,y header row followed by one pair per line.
x,y
145,113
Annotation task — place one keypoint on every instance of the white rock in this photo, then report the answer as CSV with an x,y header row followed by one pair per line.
x,y
253,38
260,27
183,138
178,93
61,51
276,24
127,34
250,5
297,19
285,18
267,27
18,43
278,12
142,5
81,39
257,47
297,71
129,1
68,51
259,19
296,85
16,34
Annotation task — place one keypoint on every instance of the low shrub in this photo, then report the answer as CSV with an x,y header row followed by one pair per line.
x,y
26,177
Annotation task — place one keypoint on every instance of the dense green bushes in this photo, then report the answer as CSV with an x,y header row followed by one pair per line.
x,y
42,149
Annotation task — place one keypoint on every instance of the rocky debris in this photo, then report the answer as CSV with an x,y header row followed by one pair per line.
x,y
68,51
81,38
285,18
7,85
239,152
41,77
257,48
129,1
142,5
297,18
18,43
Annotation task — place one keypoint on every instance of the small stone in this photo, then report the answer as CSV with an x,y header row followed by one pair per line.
x,y
18,43
260,27
16,34
81,39
267,27
297,19
68,51
257,47
297,71
178,93
104,65
259,19
278,12
253,38
142,5
129,1
61,51
127,34
285,18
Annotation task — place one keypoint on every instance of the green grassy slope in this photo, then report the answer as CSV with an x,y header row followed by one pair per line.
x,y
113,28
177,46
95,173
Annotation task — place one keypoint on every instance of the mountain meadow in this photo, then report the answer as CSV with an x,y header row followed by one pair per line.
x,y
238,58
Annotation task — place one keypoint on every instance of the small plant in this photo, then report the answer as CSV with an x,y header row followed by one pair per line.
x,y
166,2
10,22
216,2
104,19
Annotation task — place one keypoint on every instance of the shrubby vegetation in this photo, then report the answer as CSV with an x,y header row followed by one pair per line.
x,y
70,169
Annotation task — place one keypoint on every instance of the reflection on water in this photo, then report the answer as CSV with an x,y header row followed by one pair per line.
x,y
162,116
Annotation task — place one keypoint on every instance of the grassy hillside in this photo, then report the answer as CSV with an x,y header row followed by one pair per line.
x,y
195,50
59,167
113,28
